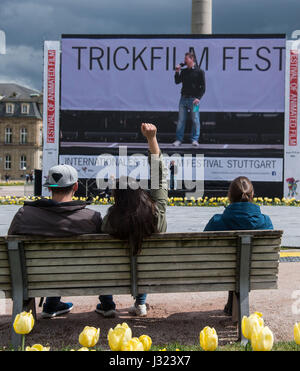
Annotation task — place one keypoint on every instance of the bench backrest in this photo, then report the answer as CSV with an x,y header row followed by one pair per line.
x,y
169,262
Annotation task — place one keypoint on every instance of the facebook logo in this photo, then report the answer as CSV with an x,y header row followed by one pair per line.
x,y
273,173
2,42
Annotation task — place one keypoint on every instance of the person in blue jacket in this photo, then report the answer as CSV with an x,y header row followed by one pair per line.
x,y
241,214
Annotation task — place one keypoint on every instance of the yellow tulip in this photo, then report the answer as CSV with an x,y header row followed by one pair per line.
x,y
262,339
297,333
119,336
251,323
84,349
37,348
89,337
23,323
163,350
146,341
208,339
133,344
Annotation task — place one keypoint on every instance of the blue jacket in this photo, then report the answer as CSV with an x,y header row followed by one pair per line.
x,y
239,215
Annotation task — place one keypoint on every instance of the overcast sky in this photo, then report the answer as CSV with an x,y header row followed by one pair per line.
x,y
27,23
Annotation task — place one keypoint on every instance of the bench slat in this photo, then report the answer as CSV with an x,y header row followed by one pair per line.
x,y
258,241
4,279
263,272
184,281
78,269
121,244
76,261
217,274
187,265
265,256
196,281
264,264
3,247
4,271
79,291
123,260
186,258
187,288
3,255
265,249
125,252
78,276
263,285
83,253
67,284
5,286
86,252
147,244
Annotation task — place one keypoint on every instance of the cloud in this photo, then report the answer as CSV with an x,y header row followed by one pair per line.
x,y
19,65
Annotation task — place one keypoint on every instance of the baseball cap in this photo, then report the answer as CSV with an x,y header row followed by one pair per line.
x,y
61,176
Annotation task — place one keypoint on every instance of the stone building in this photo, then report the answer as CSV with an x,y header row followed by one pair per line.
x,y
20,131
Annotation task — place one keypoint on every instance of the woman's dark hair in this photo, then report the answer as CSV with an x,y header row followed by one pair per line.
x,y
241,190
132,217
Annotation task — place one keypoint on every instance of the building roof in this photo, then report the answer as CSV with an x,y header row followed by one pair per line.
x,y
14,92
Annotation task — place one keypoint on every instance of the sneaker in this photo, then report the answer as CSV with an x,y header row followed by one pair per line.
x,y
177,143
138,310
61,308
111,313
195,143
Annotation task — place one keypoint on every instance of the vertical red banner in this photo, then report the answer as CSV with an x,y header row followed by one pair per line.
x,y
51,96
293,107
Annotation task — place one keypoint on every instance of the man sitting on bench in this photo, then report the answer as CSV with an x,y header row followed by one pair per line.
x,y
58,216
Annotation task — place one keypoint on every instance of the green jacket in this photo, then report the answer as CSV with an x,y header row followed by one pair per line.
x,y
160,196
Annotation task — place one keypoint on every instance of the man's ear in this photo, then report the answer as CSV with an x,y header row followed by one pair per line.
x,y
75,187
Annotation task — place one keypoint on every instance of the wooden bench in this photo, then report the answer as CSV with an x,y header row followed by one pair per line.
x,y
85,265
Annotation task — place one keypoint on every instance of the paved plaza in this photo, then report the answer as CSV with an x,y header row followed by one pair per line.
x,y
194,219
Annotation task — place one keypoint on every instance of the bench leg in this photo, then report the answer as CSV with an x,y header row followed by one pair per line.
x,y
235,307
244,282
18,307
243,310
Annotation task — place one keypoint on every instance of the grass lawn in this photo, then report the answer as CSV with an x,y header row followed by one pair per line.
x,y
281,346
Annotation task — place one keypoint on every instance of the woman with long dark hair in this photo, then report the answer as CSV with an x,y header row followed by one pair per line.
x,y
241,214
137,214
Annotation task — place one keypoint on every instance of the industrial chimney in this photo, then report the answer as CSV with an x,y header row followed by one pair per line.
x,y
202,17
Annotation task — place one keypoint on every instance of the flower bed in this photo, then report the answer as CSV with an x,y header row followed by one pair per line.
x,y
172,201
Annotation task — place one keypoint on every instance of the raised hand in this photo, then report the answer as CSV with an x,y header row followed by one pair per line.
x,y
148,130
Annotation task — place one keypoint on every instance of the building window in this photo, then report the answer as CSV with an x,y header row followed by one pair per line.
x,y
8,136
7,163
23,136
9,108
24,108
23,164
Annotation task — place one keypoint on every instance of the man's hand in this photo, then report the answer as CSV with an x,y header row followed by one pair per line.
x,y
196,101
178,68
148,130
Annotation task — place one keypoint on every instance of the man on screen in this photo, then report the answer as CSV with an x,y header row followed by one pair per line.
x,y
193,89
